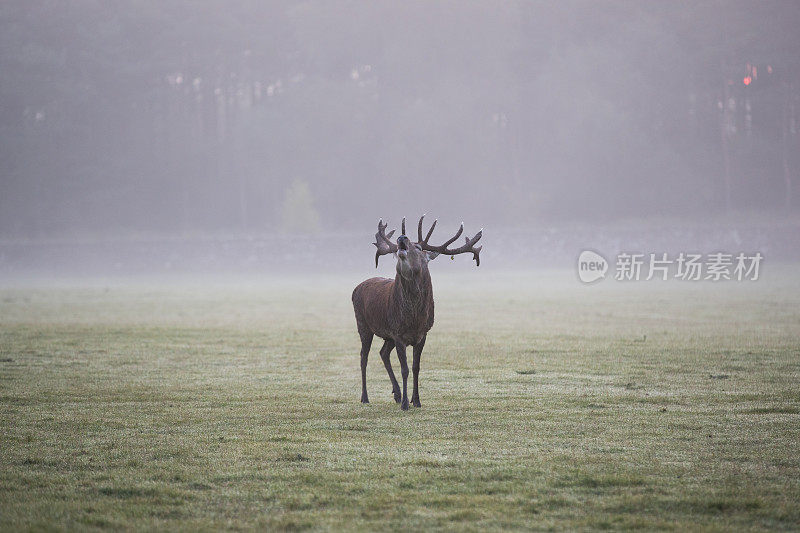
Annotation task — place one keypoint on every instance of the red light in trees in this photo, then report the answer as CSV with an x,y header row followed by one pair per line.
x,y
747,80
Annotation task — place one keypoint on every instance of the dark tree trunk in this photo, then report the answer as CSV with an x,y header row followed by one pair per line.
x,y
725,135
787,176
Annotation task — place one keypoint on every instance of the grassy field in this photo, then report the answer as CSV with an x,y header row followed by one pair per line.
x,y
545,405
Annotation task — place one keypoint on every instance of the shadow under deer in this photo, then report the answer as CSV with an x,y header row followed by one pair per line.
x,y
400,310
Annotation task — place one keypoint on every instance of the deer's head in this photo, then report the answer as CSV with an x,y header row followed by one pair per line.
x,y
413,257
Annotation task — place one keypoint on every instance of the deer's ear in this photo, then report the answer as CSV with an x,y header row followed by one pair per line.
x,y
432,255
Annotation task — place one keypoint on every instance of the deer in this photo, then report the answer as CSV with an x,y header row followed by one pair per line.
x,y
400,310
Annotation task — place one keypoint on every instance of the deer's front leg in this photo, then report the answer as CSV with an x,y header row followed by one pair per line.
x,y
415,368
401,354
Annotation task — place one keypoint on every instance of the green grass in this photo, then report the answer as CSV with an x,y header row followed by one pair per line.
x,y
546,405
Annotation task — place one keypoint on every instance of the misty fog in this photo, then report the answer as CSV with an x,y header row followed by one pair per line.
x,y
154,136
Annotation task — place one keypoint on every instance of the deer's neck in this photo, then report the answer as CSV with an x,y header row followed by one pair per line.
x,y
413,297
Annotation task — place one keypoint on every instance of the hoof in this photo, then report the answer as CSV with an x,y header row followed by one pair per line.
x,y
404,405
415,402
364,398
397,397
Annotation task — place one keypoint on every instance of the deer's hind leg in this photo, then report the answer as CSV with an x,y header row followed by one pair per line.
x,y
386,349
366,343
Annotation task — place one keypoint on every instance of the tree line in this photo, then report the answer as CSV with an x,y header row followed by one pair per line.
x,y
254,116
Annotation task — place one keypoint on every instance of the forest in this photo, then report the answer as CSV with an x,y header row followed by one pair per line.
x,y
250,117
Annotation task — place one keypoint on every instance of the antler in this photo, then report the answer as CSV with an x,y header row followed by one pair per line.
x,y
469,245
382,242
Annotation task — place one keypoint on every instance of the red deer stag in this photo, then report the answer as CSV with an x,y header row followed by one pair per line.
x,y
400,311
